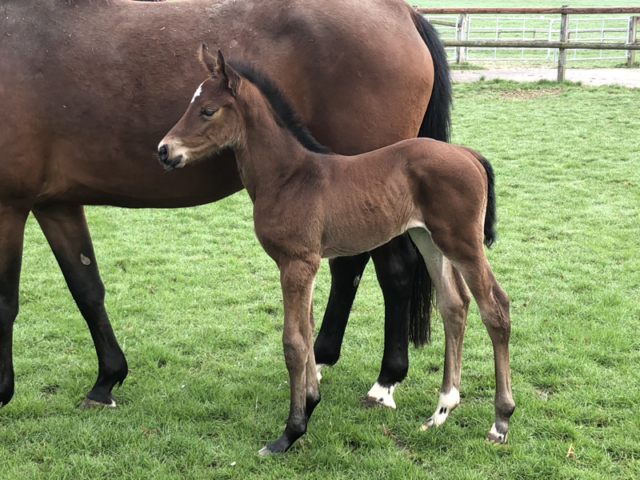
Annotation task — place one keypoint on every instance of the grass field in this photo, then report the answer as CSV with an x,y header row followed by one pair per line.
x,y
196,306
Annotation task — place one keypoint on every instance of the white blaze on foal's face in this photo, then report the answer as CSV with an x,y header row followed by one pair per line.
x,y
198,92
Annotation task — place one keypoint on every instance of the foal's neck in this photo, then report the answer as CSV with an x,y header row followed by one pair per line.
x,y
269,151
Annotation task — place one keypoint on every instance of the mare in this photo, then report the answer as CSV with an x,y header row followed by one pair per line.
x,y
88,87
309,204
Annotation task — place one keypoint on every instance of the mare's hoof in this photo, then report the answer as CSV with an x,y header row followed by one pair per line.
x,y
88,404
379,396
265,452
496,437
372,402
281,445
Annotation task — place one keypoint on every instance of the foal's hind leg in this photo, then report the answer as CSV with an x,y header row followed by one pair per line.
x,y
66,230
453,303
467,254
12,221
493,304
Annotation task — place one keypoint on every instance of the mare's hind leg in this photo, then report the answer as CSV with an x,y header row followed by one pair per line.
x,y
395,264
345,278
453,303
12,221
66,231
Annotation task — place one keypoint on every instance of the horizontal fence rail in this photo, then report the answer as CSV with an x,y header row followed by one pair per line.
x,y
540,44
530,10
462,27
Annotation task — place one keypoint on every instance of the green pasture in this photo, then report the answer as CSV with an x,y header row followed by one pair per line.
x,y
196,306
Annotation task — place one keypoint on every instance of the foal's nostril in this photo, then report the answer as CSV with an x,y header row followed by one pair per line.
x,y
163,153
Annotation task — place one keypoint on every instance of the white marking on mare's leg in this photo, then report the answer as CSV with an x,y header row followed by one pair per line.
x,y
318,368
381,395
495,436
198,92
446,403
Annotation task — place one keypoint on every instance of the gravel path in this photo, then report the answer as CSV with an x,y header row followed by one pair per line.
x,y
628,77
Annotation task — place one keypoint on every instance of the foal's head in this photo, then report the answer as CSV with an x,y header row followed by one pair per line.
x,y
212,120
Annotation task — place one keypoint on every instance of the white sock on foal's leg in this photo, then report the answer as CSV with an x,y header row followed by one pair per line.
x,y
446,403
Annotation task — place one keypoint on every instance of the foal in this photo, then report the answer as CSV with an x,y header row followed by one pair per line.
x,y
310,204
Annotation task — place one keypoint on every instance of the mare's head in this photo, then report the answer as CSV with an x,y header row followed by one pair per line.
x,y
212,120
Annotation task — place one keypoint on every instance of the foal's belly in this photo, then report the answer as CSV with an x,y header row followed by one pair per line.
x,y
355,239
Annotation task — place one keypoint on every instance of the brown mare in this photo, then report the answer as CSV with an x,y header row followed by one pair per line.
x,y
309,204
89,87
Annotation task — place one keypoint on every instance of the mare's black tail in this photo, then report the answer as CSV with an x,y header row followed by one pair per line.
x,y
490,233
437,120
435,124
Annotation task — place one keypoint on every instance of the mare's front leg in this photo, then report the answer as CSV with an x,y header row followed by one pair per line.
x,y
12,222
345,278
296,278
66,230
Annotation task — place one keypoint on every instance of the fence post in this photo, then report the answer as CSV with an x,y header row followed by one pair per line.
x,y
462,28
633,31
562,53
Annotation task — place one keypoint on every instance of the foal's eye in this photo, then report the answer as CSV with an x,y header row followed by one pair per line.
x,y
207,112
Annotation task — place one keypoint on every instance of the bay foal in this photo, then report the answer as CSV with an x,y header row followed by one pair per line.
x,y
310,204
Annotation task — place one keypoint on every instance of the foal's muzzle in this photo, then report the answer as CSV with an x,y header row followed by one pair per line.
x,y
168,163
163,153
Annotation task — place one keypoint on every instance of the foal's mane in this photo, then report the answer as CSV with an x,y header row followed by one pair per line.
x,y
285,113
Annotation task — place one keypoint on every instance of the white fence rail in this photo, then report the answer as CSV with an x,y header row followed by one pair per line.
x,y
537,37
600,30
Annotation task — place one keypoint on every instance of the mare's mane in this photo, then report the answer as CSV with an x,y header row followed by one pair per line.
x,y
285,113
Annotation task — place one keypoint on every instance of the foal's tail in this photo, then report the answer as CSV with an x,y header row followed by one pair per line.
x,y
435,124
490,233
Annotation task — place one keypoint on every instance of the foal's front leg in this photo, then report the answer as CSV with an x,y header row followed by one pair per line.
x,y
296,278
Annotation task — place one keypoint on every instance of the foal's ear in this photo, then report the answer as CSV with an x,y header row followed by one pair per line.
x,y
207,60
228,74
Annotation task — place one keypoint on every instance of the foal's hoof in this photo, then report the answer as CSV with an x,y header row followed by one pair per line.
x,y
496,437
447,402
427,424
88,404
379,396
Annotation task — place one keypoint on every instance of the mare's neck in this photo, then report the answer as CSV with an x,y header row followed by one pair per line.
x,y
269,152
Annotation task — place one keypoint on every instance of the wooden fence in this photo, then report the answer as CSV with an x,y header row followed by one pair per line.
x,y
631,46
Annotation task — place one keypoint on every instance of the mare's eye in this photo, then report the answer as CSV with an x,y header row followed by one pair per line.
x,y
207,112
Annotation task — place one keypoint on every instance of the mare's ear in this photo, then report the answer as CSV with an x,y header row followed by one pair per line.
x,y
228,74
207,60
